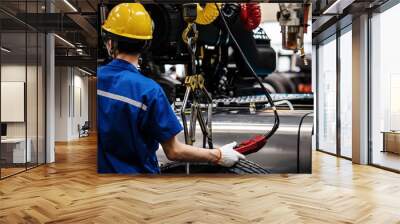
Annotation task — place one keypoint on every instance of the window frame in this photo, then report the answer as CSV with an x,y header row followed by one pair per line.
x,y
347,27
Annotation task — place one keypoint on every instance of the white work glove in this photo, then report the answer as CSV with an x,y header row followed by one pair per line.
x,y
229,156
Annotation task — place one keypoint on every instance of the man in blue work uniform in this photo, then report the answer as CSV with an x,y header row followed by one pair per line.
x,y
134,115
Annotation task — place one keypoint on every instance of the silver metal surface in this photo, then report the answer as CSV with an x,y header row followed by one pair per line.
x,y
262,98
279,155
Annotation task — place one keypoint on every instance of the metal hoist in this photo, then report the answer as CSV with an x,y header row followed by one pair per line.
x,y
194,81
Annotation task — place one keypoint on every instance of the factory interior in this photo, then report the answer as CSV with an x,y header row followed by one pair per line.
x,y
306,88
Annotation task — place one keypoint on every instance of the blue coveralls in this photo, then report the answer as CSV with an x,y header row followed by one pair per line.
x,y
134,116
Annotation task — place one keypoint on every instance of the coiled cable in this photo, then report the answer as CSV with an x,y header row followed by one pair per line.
x,y
250,14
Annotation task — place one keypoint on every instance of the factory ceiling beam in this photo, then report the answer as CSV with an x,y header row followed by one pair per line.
x,y
49,22
73,11
15,18
78,61
93,7
89,30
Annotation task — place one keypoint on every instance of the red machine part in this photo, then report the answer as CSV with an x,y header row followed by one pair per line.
x,y
251,145
250,14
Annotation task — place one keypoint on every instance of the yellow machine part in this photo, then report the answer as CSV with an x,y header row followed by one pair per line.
x,y
207,14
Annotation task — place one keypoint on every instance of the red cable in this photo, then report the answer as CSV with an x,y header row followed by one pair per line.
x,y
250,14
251,145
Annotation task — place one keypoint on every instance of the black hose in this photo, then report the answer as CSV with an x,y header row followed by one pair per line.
x,y
298,139
267,94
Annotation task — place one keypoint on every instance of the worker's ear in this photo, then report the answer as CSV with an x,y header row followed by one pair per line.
x,y
111,48
108,43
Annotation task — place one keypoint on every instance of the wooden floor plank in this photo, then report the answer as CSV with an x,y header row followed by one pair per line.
x,y
70,191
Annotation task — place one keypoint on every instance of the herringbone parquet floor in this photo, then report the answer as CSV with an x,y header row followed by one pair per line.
x,y
70,191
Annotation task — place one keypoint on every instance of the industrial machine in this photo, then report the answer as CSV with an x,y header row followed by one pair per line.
x,y
293,19
223,48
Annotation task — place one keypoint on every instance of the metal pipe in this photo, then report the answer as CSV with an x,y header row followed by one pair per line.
x,y
183,115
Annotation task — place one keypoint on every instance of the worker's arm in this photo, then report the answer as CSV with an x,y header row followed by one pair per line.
x,y
177,151
161,123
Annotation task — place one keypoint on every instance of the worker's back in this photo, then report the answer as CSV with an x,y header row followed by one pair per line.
x,y
133,117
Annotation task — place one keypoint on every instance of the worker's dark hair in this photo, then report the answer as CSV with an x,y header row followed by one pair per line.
x,y
131,47
126,45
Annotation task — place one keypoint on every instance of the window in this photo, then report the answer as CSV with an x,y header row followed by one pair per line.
x,y
346,93
22,77
385,89
326,106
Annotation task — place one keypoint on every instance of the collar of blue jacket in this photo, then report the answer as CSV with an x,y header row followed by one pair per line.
x,y
124,65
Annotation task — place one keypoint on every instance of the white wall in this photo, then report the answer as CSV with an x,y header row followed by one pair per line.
x,y
80,85
33,127
15,73
71,94
62,83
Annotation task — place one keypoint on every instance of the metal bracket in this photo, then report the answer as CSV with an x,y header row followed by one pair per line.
x,y
195,87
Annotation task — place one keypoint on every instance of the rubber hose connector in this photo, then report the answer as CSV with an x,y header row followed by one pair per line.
x,y
250,14
207,14
231,12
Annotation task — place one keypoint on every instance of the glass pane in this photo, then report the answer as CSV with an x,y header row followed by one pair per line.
x,y
14,153
385,82
346,94
327,97
32,86
32,97
41,98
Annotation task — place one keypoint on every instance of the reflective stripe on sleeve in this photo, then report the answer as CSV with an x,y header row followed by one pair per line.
x,y
122,99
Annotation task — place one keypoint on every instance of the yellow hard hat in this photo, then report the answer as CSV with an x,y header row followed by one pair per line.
x,y
129,20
